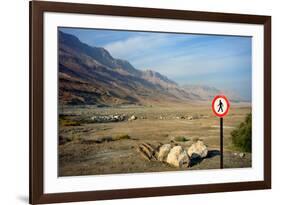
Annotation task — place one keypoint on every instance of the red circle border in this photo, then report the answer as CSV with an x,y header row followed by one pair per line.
x,y
227,102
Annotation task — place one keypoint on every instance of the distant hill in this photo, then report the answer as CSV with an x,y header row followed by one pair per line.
x,y
207,92
90,75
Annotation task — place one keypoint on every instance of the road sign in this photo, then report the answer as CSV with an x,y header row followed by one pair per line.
x,y
220,105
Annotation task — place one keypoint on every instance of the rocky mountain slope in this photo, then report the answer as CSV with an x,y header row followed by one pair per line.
x,y
208,92
90,75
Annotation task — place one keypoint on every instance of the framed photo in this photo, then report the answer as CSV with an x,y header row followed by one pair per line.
x,y
138,102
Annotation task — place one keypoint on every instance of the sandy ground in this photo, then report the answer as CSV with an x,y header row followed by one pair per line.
x,y
80,154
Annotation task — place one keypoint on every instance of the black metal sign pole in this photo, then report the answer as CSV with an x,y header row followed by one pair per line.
x,y
221,141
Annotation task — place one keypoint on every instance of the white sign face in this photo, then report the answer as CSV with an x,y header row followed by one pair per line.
x,y
220,105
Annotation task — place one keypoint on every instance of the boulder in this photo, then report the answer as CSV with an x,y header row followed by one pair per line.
x,y
197,150
242,155
94,118
133,117
146,151
163,152
117,117
178,157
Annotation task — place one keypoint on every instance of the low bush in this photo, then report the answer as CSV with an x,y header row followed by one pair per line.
x,y
181,139
68,122
242,136
122,137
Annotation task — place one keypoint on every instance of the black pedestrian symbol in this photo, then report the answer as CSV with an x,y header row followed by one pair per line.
x,y
220,105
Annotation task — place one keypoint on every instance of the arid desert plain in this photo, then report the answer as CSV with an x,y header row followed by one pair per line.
x,y
104,140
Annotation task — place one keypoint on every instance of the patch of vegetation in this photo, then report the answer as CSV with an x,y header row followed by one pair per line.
x,y
121,137
242,136
110,138
66,139
67,122
181,139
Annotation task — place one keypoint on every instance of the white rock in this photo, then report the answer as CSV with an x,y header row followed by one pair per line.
x,y
197,149
178,157
133,117
93,118
242,155
163,152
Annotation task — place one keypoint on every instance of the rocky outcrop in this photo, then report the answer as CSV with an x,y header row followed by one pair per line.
x,y
132,118
241,155
108,118
178,157
173,154
148,151
197,150
163,152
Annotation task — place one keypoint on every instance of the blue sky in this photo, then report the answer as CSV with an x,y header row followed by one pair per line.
x,y
220,61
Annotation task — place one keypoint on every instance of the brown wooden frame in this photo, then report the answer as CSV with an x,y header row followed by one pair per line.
x,y
37,8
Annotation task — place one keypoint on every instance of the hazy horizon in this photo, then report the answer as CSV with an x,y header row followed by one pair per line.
x,y
223,62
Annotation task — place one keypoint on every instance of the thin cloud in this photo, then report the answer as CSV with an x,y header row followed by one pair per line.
x,y
142,45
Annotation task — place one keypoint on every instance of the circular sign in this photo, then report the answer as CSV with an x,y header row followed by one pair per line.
x,y
220,105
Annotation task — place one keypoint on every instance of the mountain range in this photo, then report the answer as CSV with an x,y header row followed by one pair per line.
x,y
90,75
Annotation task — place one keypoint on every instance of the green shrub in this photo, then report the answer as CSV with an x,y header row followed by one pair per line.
x,y
67,122
122,137
242,136
181,139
